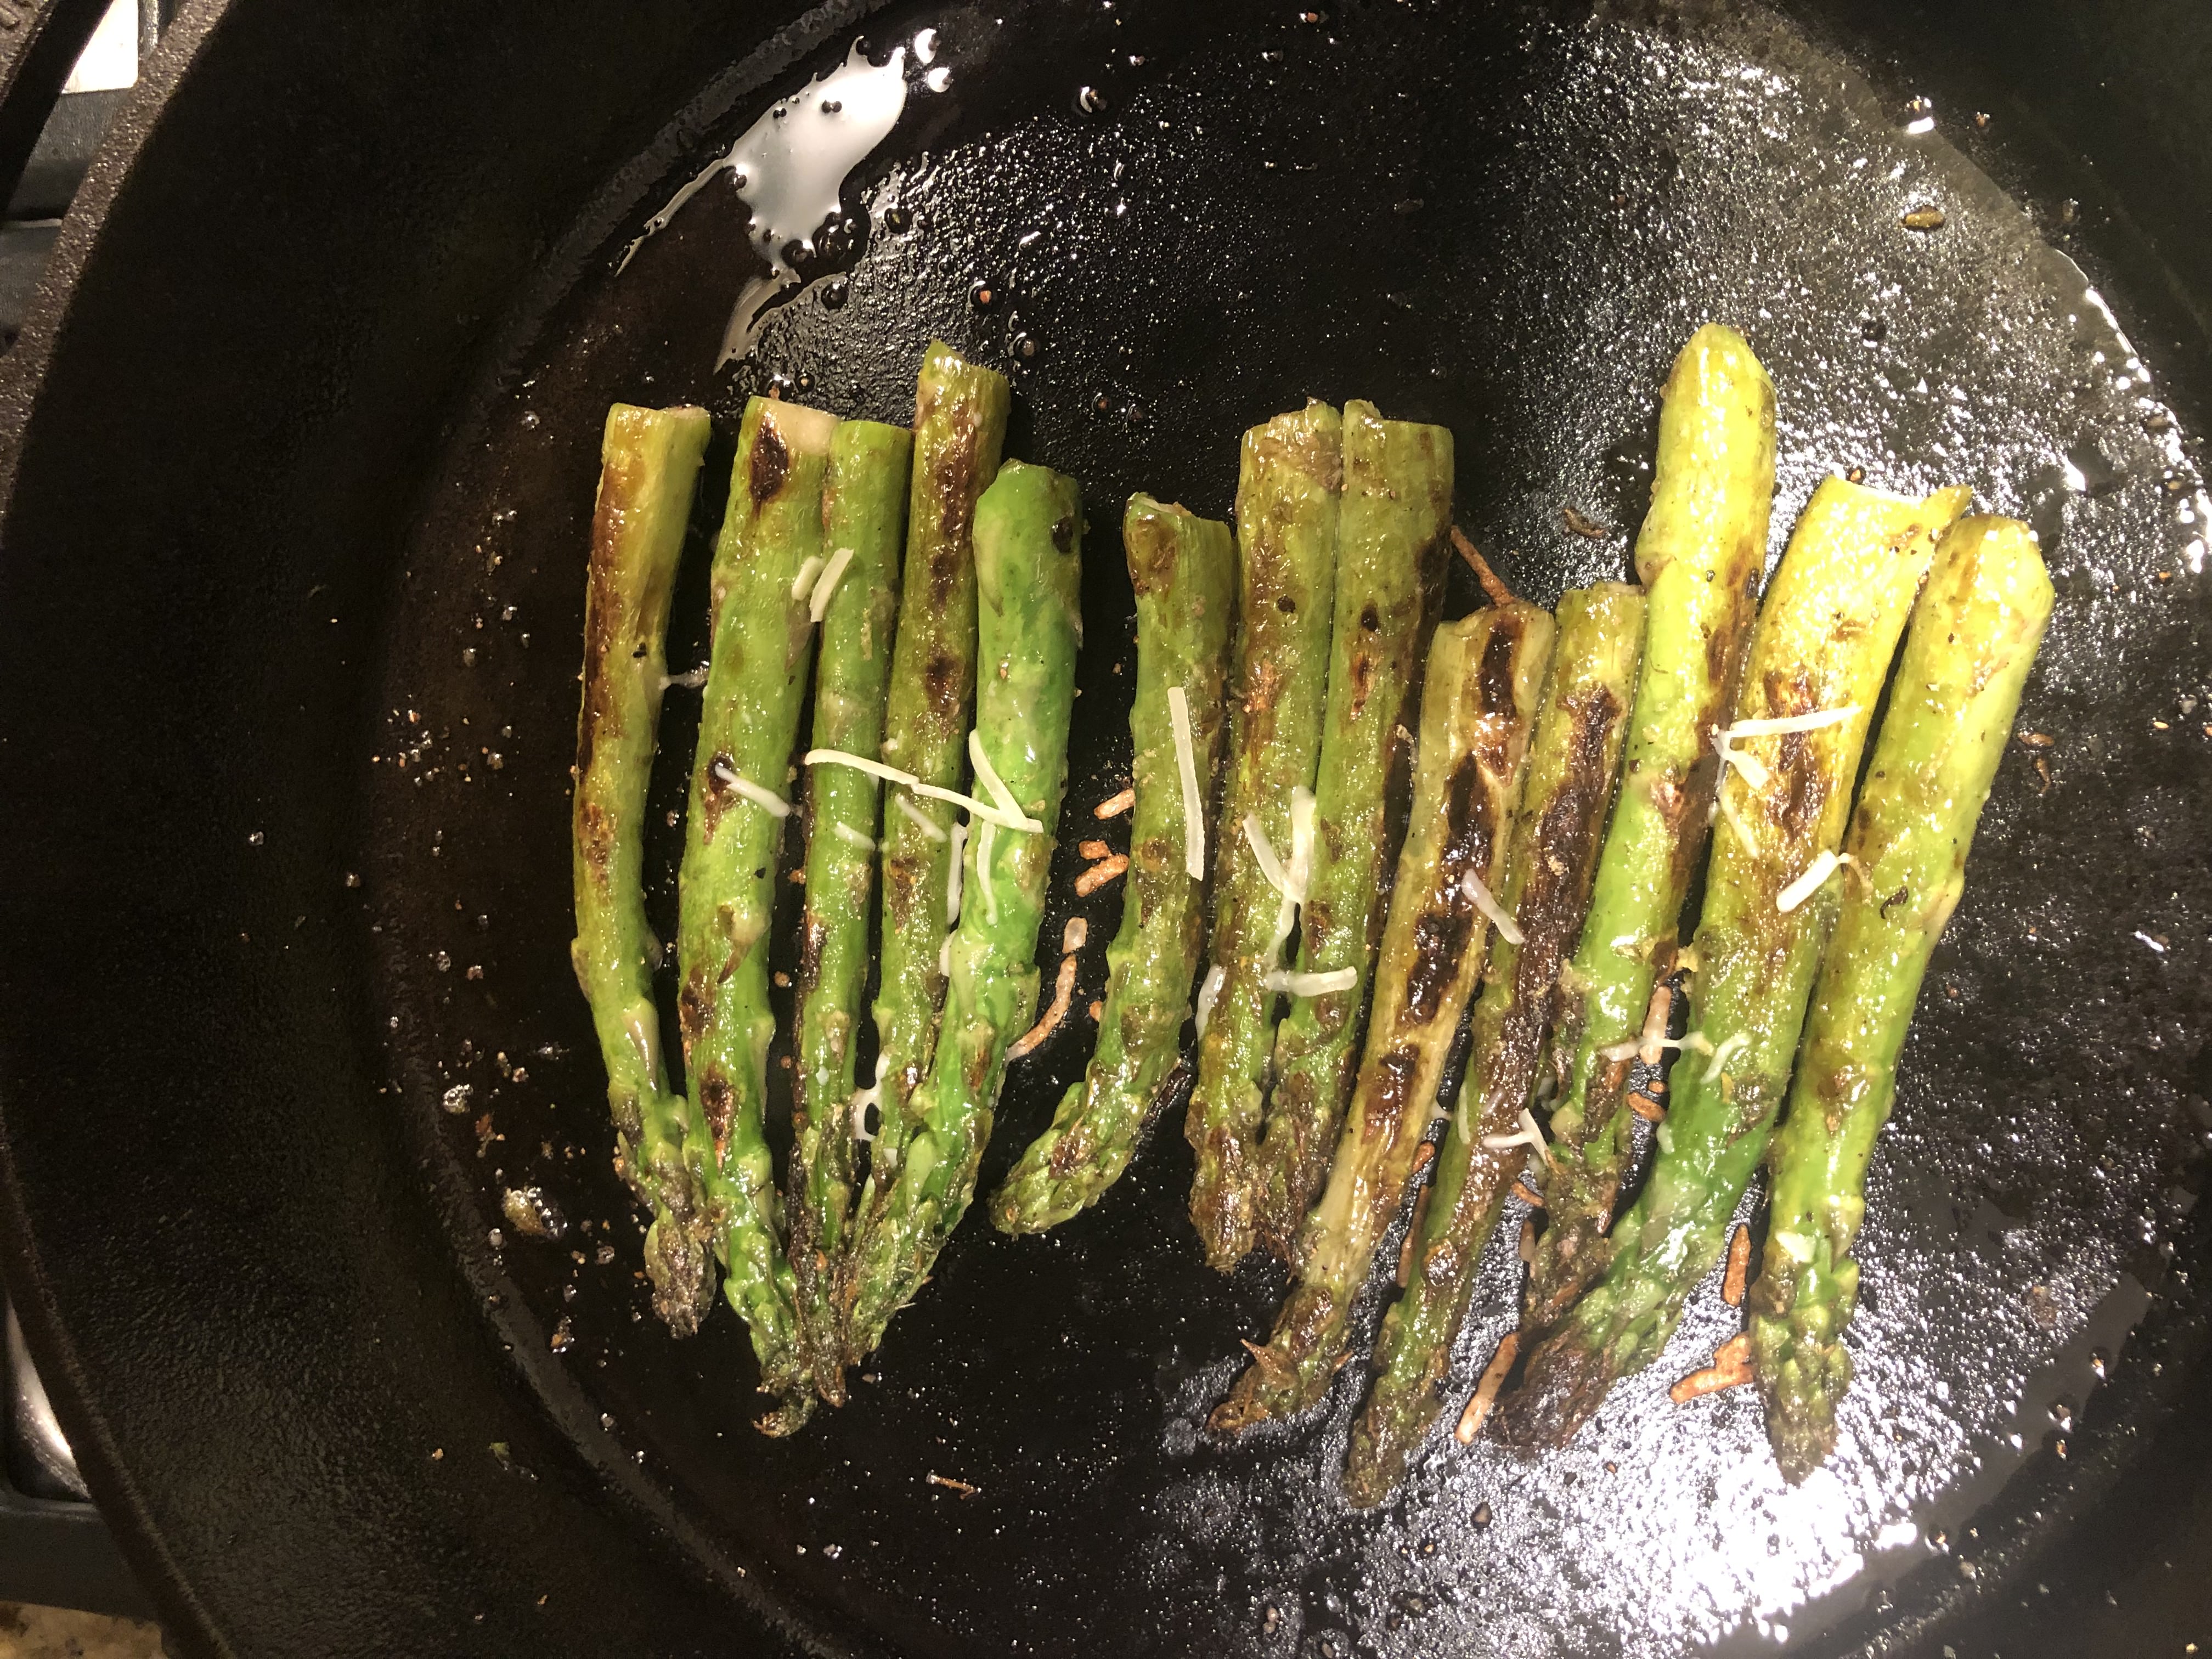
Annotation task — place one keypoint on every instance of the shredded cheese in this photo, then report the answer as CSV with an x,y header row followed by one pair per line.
x,y
1209,993
1796,1246
1806,885
853,838
986,843
826,584
1781,724
1011,814
1696,1043
1255,834
1527,1135
1473,886
916,817
767,800
952,877
1725,1052
862,1099
803,583
1319,984
1194,809
693,680
969,804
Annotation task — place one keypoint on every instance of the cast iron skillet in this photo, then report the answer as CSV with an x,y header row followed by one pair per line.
x,y
302,455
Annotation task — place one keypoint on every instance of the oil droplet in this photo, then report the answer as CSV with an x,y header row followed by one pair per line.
x,y
937,79
529,418
834,293
1089,99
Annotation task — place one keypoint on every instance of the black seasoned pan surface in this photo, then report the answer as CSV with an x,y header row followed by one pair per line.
x,y
1505,220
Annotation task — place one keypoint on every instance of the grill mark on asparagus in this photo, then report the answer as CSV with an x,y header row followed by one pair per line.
x,y
771,464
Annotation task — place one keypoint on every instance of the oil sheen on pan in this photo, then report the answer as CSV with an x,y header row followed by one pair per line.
x,y
1507,226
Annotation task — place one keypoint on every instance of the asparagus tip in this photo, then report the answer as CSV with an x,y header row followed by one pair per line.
x,y
1565,1383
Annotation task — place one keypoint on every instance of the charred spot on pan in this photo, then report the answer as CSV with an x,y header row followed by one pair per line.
x,y
771,463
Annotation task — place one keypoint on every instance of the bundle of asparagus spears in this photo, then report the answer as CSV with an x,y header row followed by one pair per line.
x,y
1563,770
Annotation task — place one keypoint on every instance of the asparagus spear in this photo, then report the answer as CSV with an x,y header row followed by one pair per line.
x,y
1183,570
756,682
1972,637
1029,575
1700,555
1819,655
648,465
856,596
1289,474
1389,574
1573,760
1483,679
960,428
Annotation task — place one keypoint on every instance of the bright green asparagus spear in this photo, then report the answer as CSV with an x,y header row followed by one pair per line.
x,y
1700,555
1390,575
648,465
960,428
1573,760
856,596
1483,679
749,723
1973,635
1183,568
1029,575
1819,655
1290,477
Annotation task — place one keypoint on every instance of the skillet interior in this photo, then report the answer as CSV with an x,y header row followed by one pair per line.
x,y
1507,226
253,1335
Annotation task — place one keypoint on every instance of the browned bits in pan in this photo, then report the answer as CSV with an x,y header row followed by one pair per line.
x,y
1731,1369
1523,1191
1646,1108
1113,806
1095,849
950,1484
1738,1268
1063,991
1583,525
1486,1392
1100,873
1924,218
1494,588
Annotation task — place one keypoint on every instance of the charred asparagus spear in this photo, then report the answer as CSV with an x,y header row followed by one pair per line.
x,y
1029,565
648,465
749,723
1973,638
960,428
1573,760
1819,655
1482,682
1390,575
1290,476
1183,570
855,595
1700,555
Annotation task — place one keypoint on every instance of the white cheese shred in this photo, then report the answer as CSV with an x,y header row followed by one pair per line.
x,y
1816,873
969,804
916,817
803,583
1005,808
853,838
1528,1135
952,877
1486,901
826,584
693,680
767,800
1193,809
1696,1043
1209,993
1256,835
986,843
862,1099
1319,984
1725,1052
1783,724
